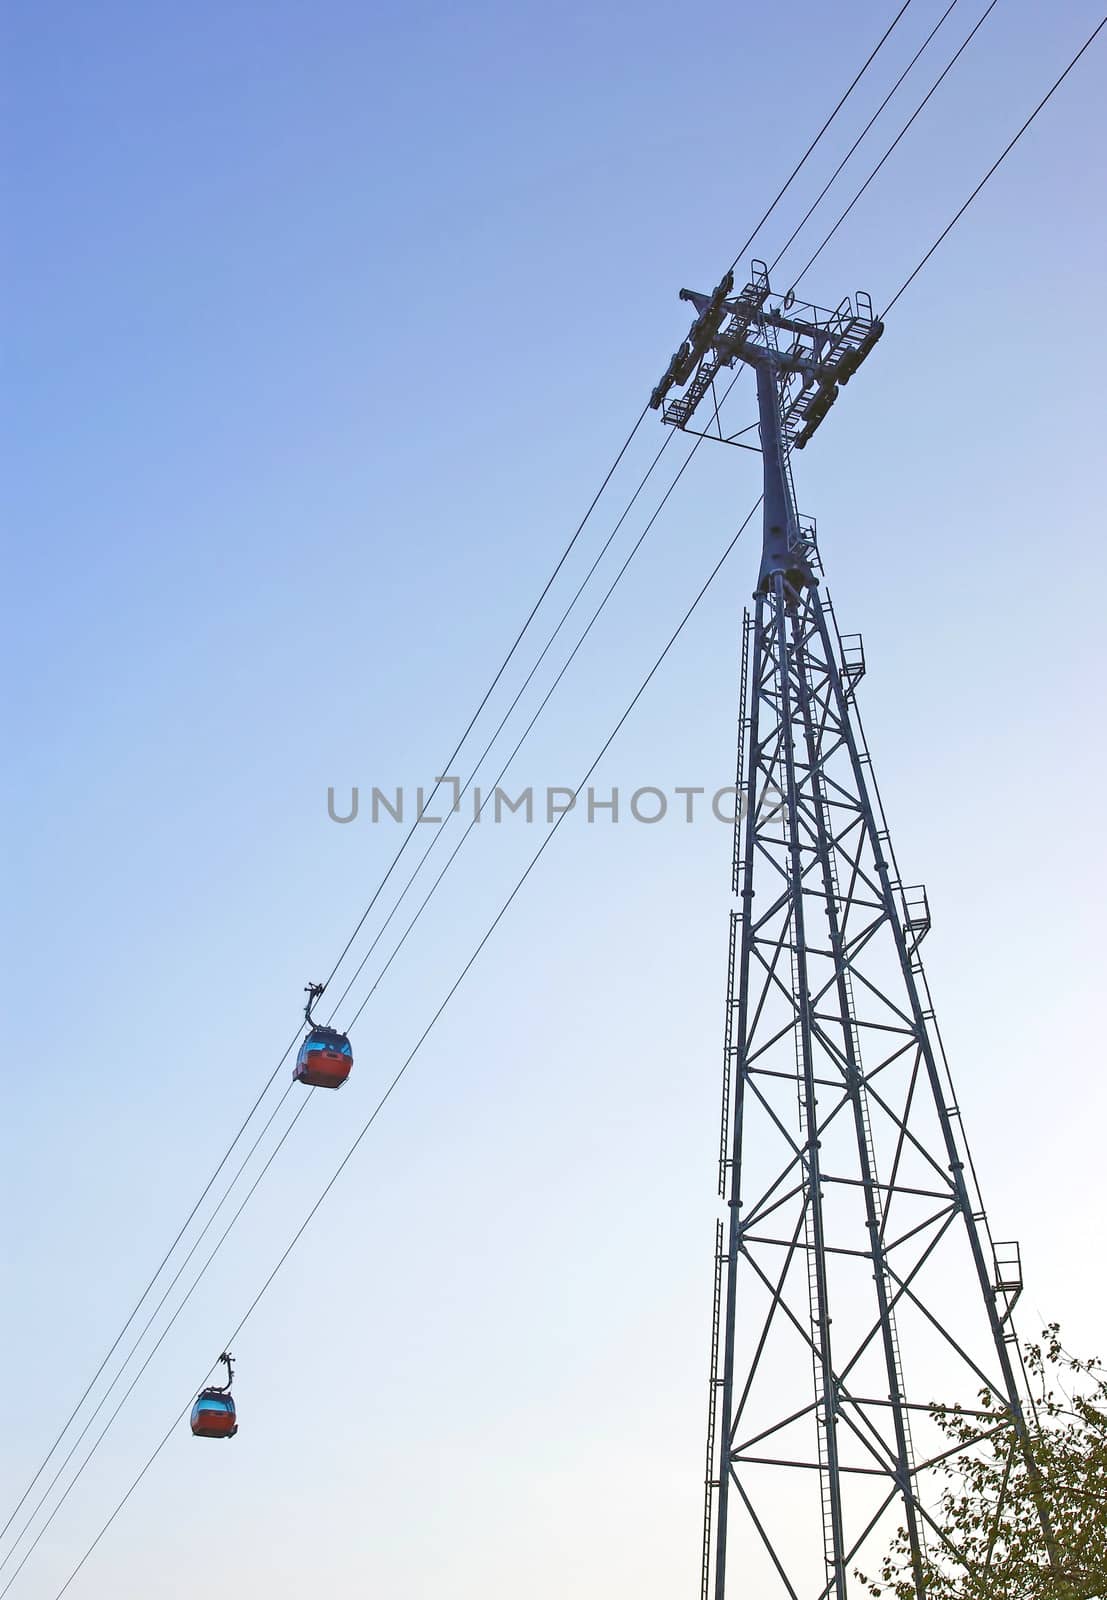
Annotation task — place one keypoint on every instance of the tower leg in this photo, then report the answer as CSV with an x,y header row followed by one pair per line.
x,y
784,602
737,1013
911,969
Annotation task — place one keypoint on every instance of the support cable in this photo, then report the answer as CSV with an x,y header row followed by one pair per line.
x,y
345,951
838,169
997,163
962,47
452,757
150,1356
386,1096
464,788
810,148
113,1385
140,1302
526,731
594,618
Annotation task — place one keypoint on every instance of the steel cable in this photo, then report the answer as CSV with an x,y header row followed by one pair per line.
x,y
464,788
154,1350
345,950
997,163
386,1096
815,141
65,1494
113,1385
923,103
838,169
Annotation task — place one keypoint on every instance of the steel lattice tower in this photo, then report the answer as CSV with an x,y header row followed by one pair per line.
x,y
856,1279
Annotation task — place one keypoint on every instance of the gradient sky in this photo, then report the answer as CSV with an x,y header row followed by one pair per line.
x,y
325,322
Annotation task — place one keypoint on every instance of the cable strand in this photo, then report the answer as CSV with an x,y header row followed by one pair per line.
x,y
811,147
386,1096
997,163
477,765
119,1375
110,1390
526,731
138,1375
345,950
464,788
489,691
361,1008
838,169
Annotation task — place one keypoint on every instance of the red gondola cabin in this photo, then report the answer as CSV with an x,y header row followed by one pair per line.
x,y
213,1415
325,1059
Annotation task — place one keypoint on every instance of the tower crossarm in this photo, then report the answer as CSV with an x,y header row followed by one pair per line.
x,y
810,351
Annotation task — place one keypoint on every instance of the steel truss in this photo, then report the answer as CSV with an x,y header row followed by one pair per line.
x,y
857,1261
856,1280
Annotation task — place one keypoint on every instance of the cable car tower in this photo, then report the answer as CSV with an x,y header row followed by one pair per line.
x,y
856,1280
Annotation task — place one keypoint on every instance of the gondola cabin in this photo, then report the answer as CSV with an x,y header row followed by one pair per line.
x,y
325,1059
213,1415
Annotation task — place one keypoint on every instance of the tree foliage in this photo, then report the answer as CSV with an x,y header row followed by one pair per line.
x,y
989,1542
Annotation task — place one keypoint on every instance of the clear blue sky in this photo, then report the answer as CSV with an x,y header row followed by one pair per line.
x,y
324,323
